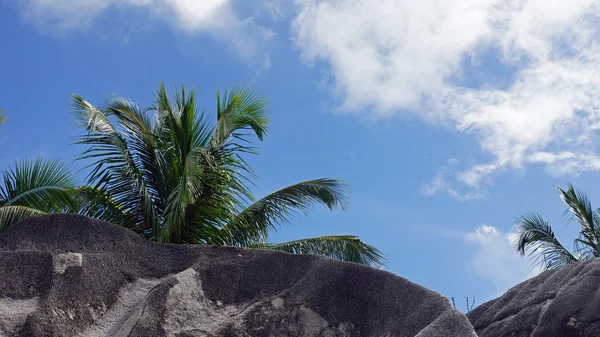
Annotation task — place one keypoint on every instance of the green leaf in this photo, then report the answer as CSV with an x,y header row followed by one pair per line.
x,y
536,236
41,184
97,203
33,188
10,215
344,248
122,158
254,222
189,187
240,109
580,210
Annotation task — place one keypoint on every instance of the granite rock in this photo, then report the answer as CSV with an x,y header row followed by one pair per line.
x,y
68,275
564,302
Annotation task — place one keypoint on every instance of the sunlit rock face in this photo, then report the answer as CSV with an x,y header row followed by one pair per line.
x,y
67,275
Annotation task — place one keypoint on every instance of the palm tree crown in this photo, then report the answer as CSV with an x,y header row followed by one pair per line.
x,y
536,235
35,188
173,175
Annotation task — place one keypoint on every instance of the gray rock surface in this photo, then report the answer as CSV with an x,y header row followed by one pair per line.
x,y
66,275
563,302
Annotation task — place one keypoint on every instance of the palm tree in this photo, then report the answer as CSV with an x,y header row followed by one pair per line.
x,y
35,188
536,236
179,177
39,187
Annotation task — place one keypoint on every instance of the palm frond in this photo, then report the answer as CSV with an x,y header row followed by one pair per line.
x,y
345,248
33,188
41,184
536,236
90,117
241,108
201,180
162,98
254,222
137,129
9,215
223,193
116,165
584,249
190,186
97,203
580,209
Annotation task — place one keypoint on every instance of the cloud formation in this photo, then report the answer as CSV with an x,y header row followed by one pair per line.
x,y
539,105
440,182
188,15
496,260
521,76
215,17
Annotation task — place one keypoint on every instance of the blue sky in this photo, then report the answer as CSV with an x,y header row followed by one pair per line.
x,y
448,120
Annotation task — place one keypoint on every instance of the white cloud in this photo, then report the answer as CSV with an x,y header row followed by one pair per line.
x,y
189,15
215,17
410,55
196,15
496,260
441,182
389,55
266,65
277,9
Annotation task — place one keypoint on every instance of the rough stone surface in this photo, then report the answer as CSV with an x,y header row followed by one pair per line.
x,y
563,302
66,275
63,261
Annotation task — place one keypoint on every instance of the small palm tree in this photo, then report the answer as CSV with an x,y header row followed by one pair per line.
x,y
179,177
35,188
536,236
39,187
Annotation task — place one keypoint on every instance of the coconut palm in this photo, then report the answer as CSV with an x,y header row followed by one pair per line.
x,y
34,188
39,187
536,235
181,177
44,186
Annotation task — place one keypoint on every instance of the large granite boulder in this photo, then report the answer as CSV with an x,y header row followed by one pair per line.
x,y
66,275
563,302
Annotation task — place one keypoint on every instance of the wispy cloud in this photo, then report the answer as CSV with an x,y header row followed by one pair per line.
x,y
191,16
265,66
215,17
445,180
496,260
491,256
277,9
540,106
